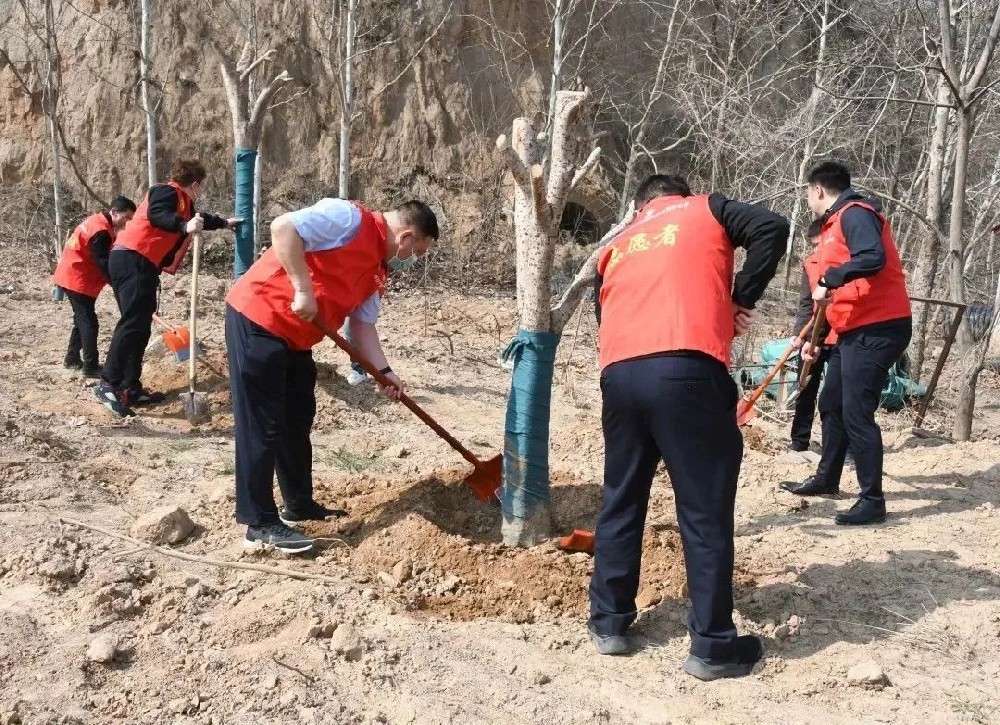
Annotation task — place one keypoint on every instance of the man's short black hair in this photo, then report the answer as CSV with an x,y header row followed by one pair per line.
x,y
814,229
831,175
660,185
122,204
418,215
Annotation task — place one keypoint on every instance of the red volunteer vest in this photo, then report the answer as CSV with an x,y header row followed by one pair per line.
x,y
342,278
667,284
866,301
77,270
153,243
811,265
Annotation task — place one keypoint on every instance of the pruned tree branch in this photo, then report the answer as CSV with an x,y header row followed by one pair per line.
x,y
514,163
584,279
260,105
564,148
262,59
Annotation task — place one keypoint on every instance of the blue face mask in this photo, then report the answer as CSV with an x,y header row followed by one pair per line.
x,y
400,265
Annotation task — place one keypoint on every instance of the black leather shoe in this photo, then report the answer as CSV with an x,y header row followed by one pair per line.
x,y
812,486
864,511
747,651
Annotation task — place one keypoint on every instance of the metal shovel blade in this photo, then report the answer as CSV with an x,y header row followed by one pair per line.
x,y
745,412
196,407
485,478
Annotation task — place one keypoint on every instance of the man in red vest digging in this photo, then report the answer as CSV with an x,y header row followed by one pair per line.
x,y
82,273
669,307
155,241
326,262
862,283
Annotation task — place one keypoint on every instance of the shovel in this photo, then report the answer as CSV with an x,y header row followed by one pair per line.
x,y
745,411
195,404
485,477
177,340
806,371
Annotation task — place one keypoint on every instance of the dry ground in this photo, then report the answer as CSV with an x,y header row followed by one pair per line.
x,y
434,621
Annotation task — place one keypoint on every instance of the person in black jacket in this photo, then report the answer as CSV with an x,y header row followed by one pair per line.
x,y
805,404
669,307
154,241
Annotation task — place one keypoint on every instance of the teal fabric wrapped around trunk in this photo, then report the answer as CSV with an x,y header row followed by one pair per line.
x,y
245,161
526,435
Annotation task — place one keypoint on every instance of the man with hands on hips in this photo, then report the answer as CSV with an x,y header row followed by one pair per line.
x,y
326,263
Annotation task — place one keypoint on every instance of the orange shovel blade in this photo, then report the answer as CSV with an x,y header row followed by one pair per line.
x,y
579,540
177,339
745,412
485,478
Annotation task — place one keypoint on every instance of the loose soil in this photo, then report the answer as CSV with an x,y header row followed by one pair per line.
x,y
431,618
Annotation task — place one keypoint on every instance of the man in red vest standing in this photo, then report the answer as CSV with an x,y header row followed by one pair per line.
x,y
669,308
863,286
326,262
805,404
82,273
155,240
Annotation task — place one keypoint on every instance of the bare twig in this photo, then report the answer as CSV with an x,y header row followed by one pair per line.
x,y
294,669
164,551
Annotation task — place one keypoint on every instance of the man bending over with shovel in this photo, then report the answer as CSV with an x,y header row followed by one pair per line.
x,y
326,262
669,309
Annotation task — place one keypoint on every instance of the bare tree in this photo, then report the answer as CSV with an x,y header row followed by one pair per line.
x,y
145,70
538,207
964,70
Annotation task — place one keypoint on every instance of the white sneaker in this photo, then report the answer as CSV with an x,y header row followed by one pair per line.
x,y
355,377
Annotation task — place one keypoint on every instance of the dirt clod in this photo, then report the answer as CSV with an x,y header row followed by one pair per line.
x,y
166,525
102,649
868,675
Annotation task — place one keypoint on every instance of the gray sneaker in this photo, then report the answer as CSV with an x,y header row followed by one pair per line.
x,y
747,651
609,644
277,536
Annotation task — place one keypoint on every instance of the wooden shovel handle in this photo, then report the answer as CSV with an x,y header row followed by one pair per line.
x,y
406,400
755,395
820,318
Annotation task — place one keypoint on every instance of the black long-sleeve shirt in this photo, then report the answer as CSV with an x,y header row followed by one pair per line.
x,y
100,248
760,231
162,212
863,232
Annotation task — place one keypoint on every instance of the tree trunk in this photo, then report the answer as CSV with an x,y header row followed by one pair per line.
x,y
145,64
347,105
257,171
927,261
962,429
525,498
51,111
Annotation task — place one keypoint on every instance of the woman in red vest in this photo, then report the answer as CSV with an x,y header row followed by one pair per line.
x,y
863,285
82,273
155,241
327,262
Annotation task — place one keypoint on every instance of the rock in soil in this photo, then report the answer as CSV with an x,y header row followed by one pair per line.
x,y
867,675
166,525
103,649
346,641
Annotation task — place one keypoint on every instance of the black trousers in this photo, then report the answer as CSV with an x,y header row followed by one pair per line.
x,y
805,404
274,403
83,336
681,409
855,376
135,281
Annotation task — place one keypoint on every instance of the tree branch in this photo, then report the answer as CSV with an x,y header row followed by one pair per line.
x,y
586,168
263,59
76,170
585,276
568,106
987,55
413,58
514,162
542,211
260,105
